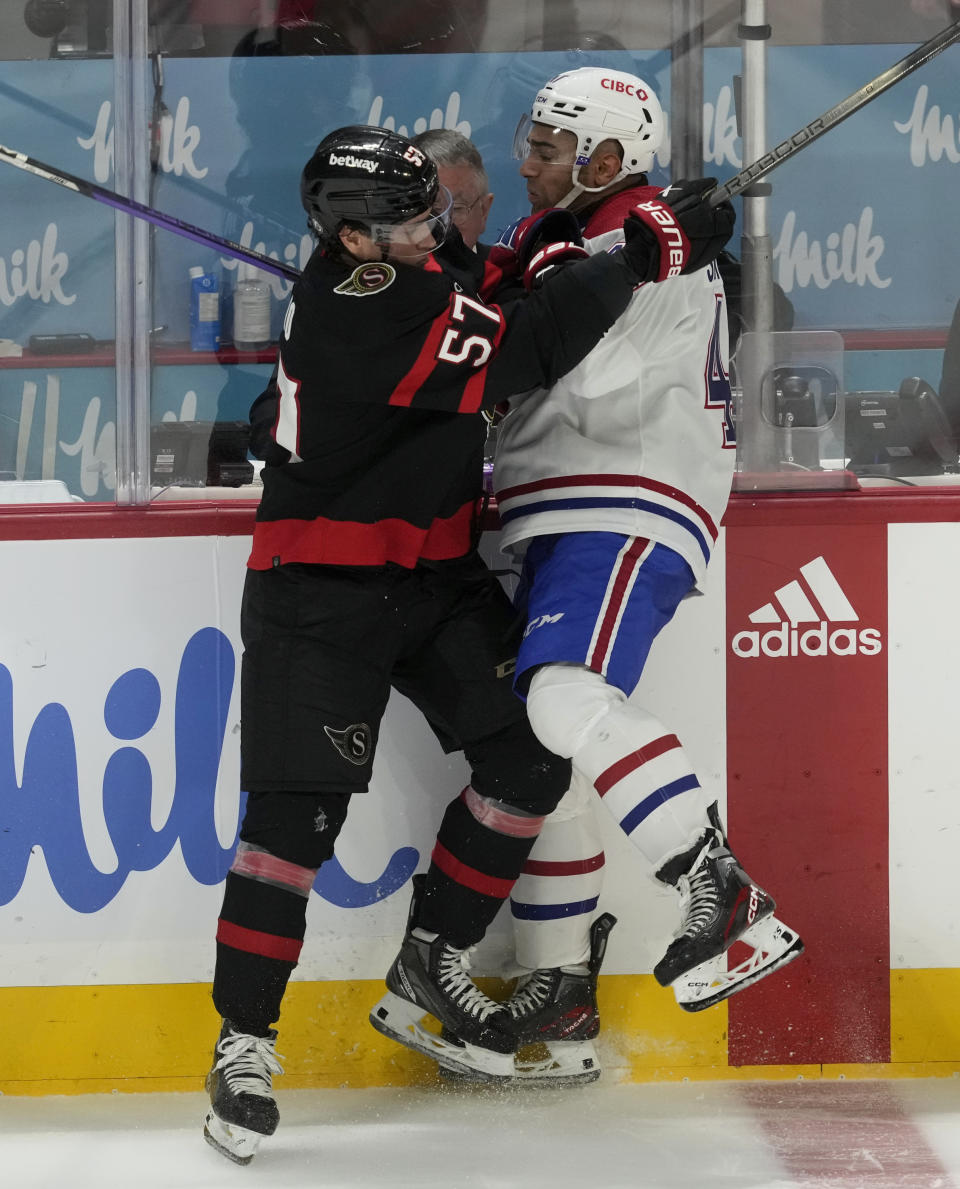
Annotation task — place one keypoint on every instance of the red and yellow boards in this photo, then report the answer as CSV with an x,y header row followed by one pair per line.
x,y
813,685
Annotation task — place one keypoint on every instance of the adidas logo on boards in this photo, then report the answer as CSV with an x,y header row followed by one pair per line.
x,y
798,602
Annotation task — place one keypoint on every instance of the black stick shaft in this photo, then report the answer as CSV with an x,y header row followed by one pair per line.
x,y
846,107
130,206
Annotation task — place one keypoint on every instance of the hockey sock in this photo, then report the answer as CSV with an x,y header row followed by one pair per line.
x,y
638,767
259,937
481,847
263,919
558,890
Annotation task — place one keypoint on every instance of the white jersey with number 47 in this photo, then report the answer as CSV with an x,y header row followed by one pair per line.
x,y
638,439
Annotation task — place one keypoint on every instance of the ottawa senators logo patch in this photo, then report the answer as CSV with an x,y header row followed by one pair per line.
x,y
367,279
354,743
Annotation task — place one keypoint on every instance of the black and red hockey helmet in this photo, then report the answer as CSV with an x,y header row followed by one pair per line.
x,y
371,176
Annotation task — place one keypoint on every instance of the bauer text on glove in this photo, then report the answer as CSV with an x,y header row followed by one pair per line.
x,y
677,232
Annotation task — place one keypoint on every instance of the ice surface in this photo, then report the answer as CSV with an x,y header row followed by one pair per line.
x,y
771,1135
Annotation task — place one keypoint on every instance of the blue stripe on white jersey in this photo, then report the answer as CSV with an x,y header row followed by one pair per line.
x,y
511,509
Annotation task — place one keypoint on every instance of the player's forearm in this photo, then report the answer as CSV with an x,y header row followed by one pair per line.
x,y
557,326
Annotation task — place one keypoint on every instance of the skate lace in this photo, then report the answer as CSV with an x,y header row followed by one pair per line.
x,y
699,898
531,995
456,983
247,1063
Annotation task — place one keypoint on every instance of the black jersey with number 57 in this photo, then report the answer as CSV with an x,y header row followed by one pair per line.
x,y
375,442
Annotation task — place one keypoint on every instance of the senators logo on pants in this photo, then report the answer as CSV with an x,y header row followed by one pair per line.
x,y
354,743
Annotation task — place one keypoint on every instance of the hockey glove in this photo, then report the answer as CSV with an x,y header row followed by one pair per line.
x,y
678,232
543,262
521,241
708,228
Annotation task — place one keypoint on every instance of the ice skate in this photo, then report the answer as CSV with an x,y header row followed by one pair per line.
x,y
242,1107
429,977
555,1011
720,906
555,1020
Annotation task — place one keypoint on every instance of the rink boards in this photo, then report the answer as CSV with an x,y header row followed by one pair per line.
x,y
812,685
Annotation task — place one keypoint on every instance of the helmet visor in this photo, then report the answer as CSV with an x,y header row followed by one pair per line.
x,y
425,231
521,145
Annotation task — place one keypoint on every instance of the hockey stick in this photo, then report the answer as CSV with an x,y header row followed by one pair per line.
x,y
846,107
130,206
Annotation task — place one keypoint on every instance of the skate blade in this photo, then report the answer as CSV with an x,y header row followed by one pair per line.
x,y
559,1065
236,1143
400,1020
774,945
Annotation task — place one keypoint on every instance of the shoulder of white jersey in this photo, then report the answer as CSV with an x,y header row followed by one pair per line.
x,y
604,242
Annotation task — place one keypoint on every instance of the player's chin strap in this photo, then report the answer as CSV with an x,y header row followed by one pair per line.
x,y
574,192
579,188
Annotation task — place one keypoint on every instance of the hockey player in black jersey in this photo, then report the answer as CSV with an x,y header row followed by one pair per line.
x,y
364,576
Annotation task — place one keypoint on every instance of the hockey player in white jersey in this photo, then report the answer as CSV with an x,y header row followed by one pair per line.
x,y
611,487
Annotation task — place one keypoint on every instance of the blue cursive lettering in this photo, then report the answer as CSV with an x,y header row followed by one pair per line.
x,y
43,811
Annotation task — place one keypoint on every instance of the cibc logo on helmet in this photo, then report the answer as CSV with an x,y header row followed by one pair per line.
x,y
596,103
622,88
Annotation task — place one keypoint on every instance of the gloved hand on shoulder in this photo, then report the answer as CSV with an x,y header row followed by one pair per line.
x,y
678,232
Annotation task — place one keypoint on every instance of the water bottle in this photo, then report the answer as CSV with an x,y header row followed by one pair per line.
x,y
204,310
251,309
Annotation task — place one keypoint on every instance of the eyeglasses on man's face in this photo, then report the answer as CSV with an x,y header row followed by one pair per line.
x,y
461,209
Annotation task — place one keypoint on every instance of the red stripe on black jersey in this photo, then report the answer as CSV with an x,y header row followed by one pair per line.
x,y
459,337
475,387
491,281
349,543
426,361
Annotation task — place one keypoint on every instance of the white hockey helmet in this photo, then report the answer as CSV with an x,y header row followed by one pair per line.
x,y
598,104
